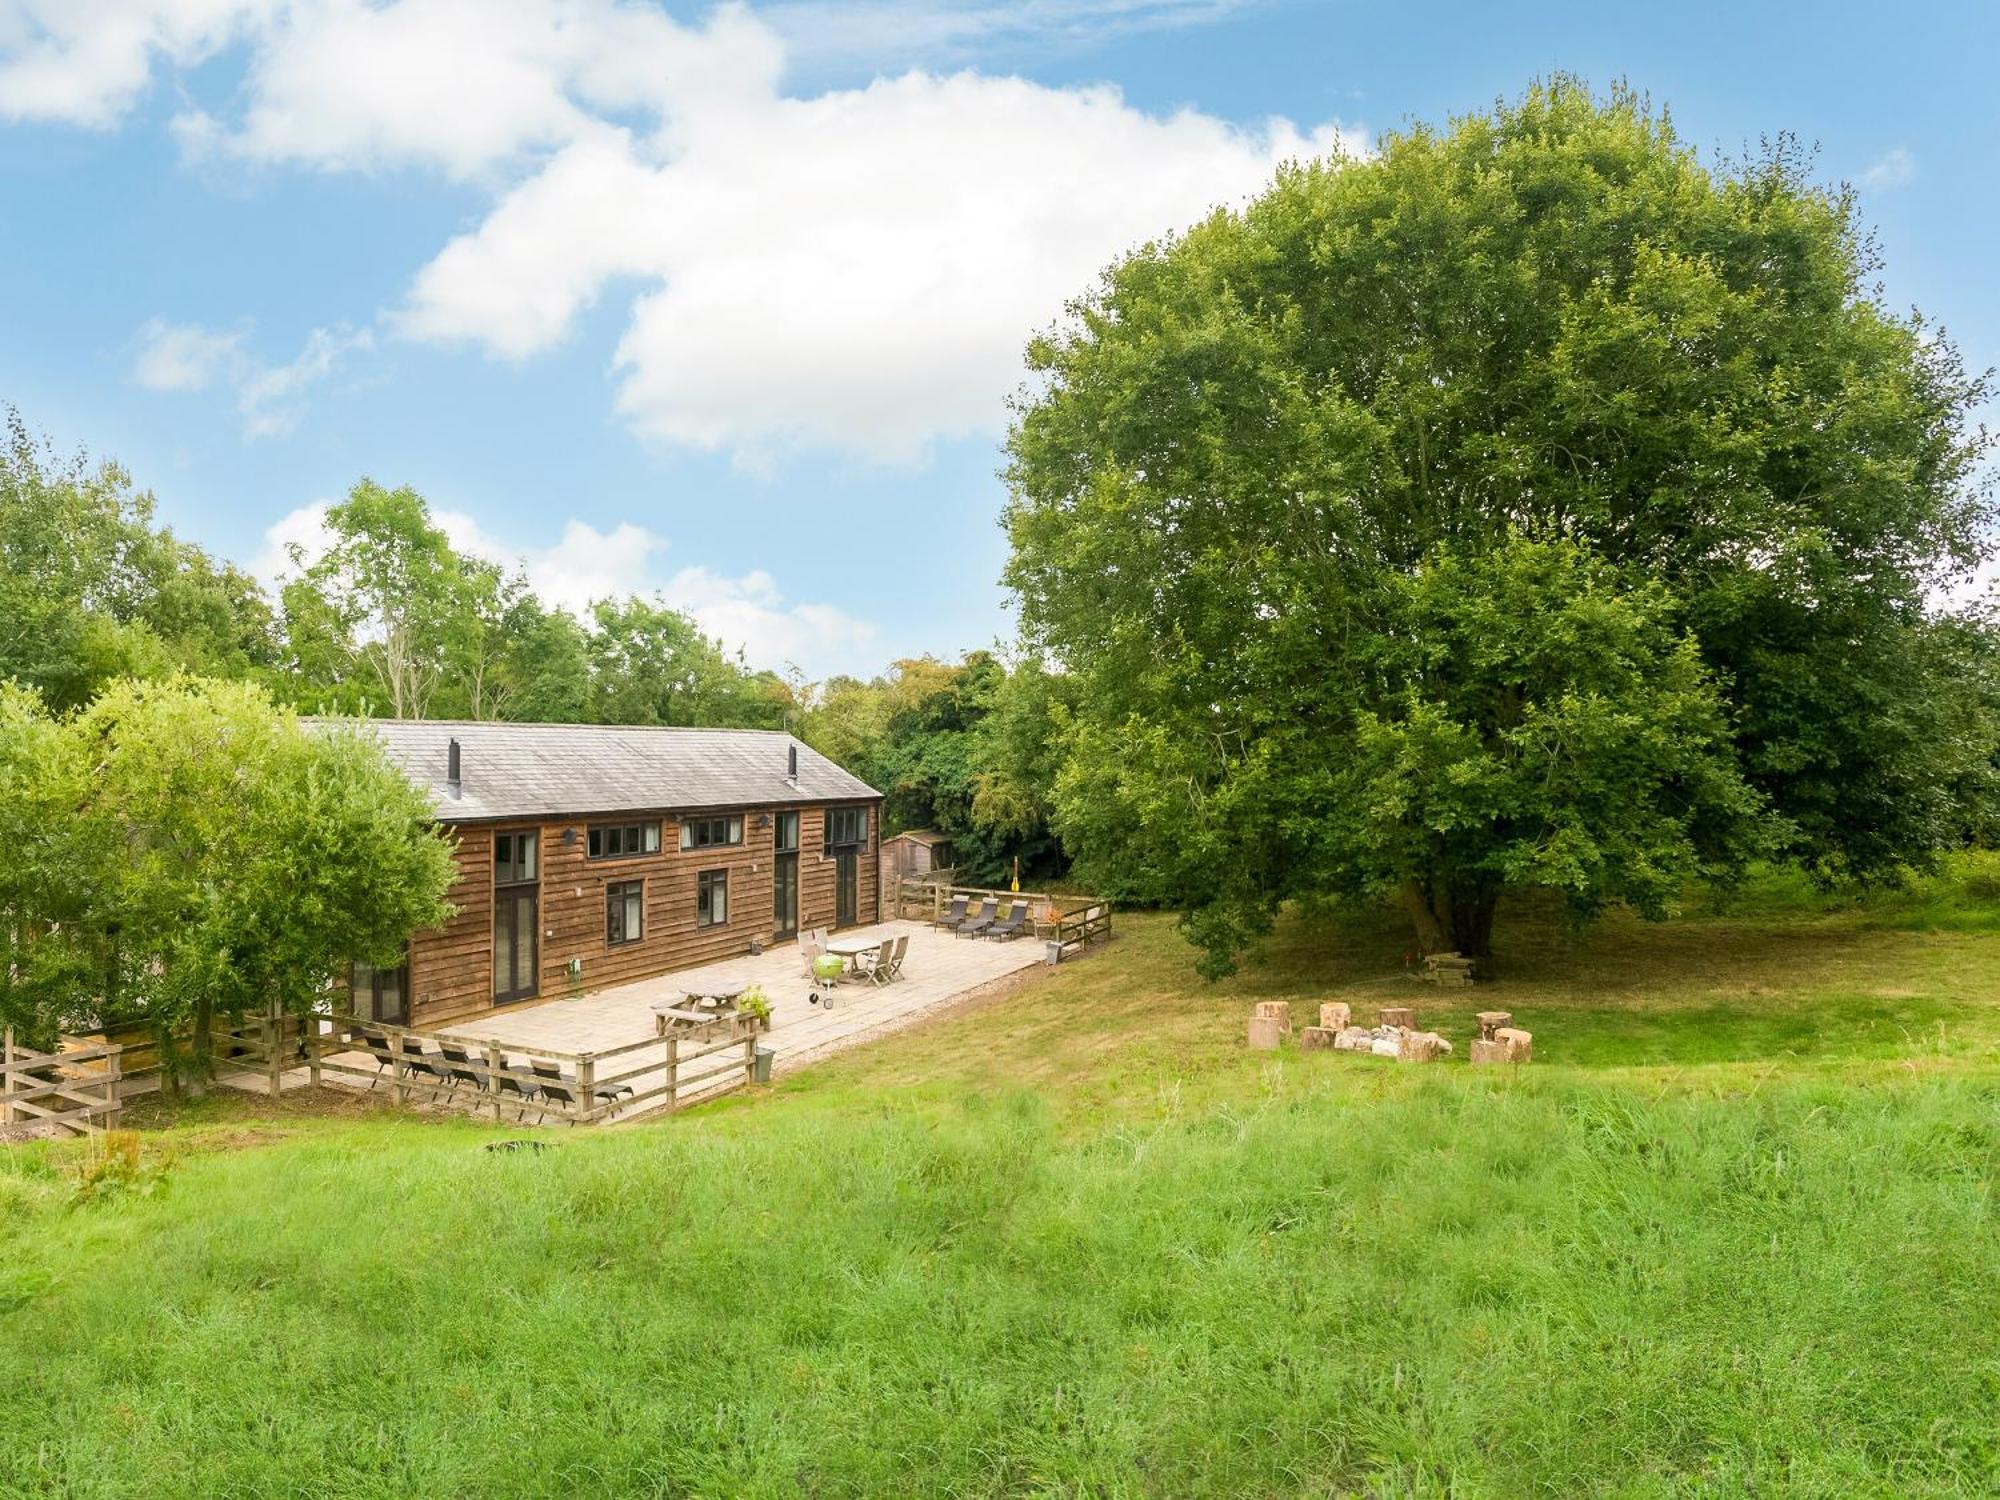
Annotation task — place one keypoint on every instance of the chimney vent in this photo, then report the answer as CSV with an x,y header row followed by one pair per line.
x,y
452,781
792,764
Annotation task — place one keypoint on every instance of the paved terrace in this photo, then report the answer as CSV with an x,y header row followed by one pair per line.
x,y
939,968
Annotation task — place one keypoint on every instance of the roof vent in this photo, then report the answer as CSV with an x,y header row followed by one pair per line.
x,y
792,764
452,782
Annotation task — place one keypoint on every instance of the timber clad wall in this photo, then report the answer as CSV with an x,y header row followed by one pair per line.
x,y
451,968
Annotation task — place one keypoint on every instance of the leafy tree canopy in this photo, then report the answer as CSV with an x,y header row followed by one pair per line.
x,y
91,589
196,848
1527,504
958,747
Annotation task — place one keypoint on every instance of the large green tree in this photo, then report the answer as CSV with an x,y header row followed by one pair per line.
x,y
389,609
960,747
1282,490
91,588
652,664
186,847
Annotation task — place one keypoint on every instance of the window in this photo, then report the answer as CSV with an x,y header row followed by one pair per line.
x,y
786,837
623,840
514,858
845,826
710,833
624,912
711,898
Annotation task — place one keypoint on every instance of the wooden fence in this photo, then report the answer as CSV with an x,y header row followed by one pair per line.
x,y
1079,925
81,1087
1071,922
60,1088
651,1076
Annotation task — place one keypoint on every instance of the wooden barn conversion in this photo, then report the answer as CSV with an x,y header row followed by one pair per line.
x,y
590,855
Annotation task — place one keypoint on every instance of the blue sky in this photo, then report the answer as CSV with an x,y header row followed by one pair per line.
x,y
725,302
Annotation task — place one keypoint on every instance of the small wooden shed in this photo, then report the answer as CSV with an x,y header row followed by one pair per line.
x,y
916,853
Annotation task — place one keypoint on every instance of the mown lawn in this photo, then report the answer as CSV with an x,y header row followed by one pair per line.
x,y
1732,1233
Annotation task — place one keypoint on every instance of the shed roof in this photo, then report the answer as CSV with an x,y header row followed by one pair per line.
x,y
558,770
929,837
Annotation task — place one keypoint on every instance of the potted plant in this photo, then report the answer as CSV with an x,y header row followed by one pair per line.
x,y
754,1005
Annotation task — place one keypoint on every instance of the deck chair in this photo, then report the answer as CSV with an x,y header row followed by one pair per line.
x,y
526,1091
458,1063
876,965
1010,926
377,1048
558,1086
956,915
418,1061
973,925
896,958
811,948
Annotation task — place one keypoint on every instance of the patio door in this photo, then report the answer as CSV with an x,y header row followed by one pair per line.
x,y
380,994
517,902
785,877
846,887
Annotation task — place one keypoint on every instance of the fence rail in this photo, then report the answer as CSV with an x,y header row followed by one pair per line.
x,y
1070,922
650,1076
82,1086
58,1088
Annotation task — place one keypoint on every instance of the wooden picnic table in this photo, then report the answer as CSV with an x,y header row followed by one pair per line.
x,y
712,1001
854,947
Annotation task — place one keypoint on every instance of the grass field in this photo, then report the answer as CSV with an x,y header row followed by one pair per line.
x,y
1732,1233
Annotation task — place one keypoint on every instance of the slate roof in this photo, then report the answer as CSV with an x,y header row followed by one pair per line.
x,y
566,770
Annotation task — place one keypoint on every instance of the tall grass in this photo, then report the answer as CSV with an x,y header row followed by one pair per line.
x,y
1353,1280
1731,1234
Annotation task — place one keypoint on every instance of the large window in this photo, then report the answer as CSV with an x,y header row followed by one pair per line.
x,y
785,838
711,898
711,833
624,912
514,858
846,826
623,840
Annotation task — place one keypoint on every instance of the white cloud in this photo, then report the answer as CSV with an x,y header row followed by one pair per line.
x,y
1892,169
269,398
86,62
858,269
749,613
184,356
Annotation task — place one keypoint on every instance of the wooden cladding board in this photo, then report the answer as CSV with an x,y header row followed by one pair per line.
x,y
451,968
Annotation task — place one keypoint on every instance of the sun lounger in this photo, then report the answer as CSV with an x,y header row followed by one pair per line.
x,y
974,925
1010,926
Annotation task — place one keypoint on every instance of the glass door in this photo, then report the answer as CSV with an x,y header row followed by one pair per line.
x,y
785,877
846,887
380,994
516,909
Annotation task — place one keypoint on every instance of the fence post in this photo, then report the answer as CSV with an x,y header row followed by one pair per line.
x,y
494,1067
114,1070
7,1080
586,1088
399,1067
273,1027
673,1072
749,1052
311,1037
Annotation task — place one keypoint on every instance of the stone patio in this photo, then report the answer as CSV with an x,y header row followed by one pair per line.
x,y
938,969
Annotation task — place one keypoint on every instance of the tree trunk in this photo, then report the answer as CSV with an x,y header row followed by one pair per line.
x,y
201,1048
1453,917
